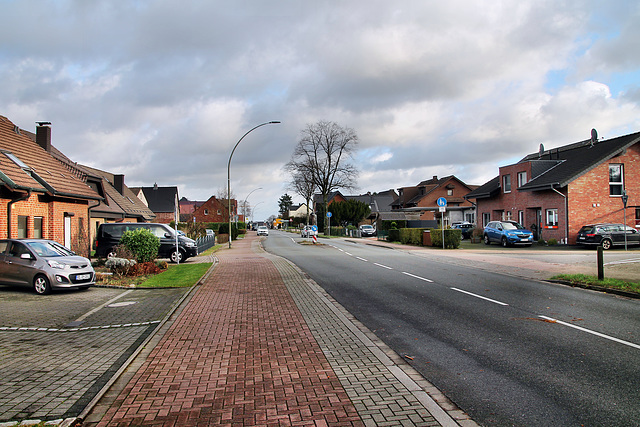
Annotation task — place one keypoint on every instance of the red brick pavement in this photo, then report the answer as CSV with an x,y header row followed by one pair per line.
x,y
239,354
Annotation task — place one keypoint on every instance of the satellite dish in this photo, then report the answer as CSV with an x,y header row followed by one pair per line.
x,y
594,136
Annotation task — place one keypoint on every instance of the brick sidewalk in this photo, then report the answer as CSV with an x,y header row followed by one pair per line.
x,y
241,353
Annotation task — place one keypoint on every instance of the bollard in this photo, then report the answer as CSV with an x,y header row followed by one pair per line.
x,y
600,263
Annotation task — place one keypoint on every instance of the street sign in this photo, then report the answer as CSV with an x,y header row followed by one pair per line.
x,y
442,209
329,214
442,202
314,228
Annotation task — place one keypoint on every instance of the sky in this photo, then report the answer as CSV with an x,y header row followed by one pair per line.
x,y
161,91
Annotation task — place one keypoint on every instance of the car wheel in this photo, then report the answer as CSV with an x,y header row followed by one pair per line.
x,y
504,242
606,244
41,285
177,256
486,240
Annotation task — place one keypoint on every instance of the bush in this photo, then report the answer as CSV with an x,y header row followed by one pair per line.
x,y
411,236
119,266
142,242
224,229
451,238
144,268
552,242
394,235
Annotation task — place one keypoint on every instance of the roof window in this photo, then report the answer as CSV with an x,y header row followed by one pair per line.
x,y
15,160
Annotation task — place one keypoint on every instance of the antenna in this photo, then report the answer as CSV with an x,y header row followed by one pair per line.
x,y
594,136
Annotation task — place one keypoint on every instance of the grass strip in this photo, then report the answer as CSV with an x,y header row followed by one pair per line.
x,y
177,276
583,279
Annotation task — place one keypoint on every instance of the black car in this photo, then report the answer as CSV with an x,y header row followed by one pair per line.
x,y
465,228
109,235
607,235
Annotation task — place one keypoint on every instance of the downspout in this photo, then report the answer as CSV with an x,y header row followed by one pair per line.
x,y
566,216
89,225
19,199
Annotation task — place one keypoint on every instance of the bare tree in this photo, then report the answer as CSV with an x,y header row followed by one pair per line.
x,y
322,157
303,187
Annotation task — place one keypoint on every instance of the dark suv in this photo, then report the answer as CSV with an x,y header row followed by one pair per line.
x,y
607,235
109,235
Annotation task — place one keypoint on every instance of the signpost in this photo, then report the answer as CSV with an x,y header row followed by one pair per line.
x,y
442,204
329,227
625,199
314,228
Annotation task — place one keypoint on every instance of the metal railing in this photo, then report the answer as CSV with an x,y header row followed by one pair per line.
x,y
205,242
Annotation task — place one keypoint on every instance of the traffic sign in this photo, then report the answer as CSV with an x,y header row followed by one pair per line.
x,y
442,202
314,228
329,214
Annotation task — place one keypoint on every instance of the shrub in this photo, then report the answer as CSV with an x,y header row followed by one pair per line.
x,y
163,265
142,242
119,266
224,229
411,236
451,238
144,268
552,242
394,235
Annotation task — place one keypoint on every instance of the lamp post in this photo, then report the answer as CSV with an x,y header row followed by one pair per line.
x,y
229,170
254,210
245,203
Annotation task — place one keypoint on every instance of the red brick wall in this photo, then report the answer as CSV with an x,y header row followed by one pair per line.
x,y
212,207
164,217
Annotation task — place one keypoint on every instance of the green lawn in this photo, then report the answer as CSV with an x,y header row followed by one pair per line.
x,y
177,276
583,279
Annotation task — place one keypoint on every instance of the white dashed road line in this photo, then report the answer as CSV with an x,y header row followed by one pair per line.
x,y
480,296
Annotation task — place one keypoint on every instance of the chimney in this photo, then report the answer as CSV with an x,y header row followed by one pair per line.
x,y
43,135
435,178
118,183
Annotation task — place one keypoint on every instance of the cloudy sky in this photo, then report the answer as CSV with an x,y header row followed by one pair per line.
x,y
162,90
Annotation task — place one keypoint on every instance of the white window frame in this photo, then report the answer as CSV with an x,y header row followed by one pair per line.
x,y
616,184
551,217
506,179
522,178
521,218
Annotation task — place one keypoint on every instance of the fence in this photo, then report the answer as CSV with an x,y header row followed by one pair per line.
x,y
205,242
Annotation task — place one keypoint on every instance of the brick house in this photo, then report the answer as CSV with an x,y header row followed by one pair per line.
x,y
423,197
163,201
555,192
39,197
215,210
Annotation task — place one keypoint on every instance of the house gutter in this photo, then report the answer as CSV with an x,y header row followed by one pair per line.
x,y
566,215
19,199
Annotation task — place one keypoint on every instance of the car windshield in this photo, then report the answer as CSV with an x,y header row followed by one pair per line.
x,y
49,249
367,227
512,226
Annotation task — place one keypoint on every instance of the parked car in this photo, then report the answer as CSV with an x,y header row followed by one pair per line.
x,y
307,231
367,230
43,265
109,235
263,230
607,235
465,228
210,232
507,233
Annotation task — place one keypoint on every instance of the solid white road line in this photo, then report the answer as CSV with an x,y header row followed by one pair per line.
x,y
480,296
383,266
589,331
417,277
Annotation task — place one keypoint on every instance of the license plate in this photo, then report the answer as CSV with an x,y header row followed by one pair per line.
x,y
83,276
524,239
581,237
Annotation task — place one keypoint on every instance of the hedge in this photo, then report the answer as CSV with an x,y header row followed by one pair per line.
x,y
451,238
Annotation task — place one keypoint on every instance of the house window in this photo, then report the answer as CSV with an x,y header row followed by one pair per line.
x,y
450,192
552,217
22,227
522,178
206,211
521,217
616,180
506,183
470,217
37,227
508,216
486,218
218,211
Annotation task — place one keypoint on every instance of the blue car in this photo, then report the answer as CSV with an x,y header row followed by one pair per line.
x,y
507,233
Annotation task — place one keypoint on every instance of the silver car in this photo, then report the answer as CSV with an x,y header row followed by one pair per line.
x,y
43,265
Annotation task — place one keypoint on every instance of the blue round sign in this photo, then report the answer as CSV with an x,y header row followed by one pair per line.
x,y
329,214
314,228
442,202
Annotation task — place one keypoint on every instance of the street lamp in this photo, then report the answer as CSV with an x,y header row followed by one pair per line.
x,y
229,171
245,203
254,210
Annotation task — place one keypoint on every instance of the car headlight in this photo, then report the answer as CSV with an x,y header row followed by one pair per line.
x,y
189,244
55,264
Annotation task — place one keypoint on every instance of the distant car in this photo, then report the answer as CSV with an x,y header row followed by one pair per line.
x,y
465,227
181,233
210,232
367,230
263,231
507,233
43,265
307,231
607,235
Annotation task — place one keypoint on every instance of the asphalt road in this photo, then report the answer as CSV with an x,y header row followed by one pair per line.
x,y
506,349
